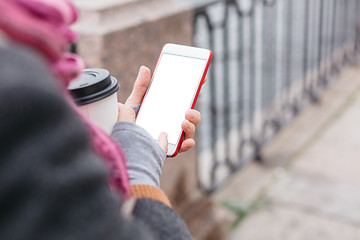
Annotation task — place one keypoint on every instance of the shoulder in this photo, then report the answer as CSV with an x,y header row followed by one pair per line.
x,y
23,69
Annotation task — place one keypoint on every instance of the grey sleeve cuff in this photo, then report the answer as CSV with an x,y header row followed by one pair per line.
x,y
144,156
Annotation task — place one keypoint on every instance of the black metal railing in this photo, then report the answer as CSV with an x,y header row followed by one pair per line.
x,y
271,58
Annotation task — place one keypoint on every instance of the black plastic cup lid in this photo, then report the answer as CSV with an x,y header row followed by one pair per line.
x,y
93,85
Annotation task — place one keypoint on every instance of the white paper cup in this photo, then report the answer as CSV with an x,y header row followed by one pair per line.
x,y
95,94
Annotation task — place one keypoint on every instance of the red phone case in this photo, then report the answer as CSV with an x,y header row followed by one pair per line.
x,y
195,99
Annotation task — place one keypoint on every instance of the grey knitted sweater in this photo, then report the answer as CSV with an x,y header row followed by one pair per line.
x,y
52,184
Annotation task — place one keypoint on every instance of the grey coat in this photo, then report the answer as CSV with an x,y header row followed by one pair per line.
x,y
52,184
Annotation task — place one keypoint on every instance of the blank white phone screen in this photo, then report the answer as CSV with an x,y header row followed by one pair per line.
x,y
170,95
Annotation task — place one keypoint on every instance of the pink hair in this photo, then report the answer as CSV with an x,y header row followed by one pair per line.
x,y
44,26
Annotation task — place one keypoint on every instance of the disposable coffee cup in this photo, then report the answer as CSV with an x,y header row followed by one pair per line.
x,y
95,94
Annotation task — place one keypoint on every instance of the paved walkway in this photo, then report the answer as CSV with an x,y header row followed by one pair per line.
x,y
312,173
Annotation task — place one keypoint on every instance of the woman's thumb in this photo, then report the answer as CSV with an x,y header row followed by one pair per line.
x,y
163,141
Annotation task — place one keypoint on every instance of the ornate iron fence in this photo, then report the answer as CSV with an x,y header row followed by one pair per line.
x,y
271,58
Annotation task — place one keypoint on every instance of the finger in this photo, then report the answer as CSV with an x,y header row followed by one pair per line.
x,y
205,79
126,113
187,145
193,116
140,86
189,128
163,141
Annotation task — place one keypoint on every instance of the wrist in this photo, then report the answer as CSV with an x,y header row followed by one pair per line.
x,y
144,156
148,191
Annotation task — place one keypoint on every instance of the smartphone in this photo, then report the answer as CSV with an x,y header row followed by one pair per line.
x,y
174,88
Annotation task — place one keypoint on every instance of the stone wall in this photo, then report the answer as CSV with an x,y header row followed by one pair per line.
x,y
122,35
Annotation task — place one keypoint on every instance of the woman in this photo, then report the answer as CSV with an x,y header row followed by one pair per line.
x,y
54,183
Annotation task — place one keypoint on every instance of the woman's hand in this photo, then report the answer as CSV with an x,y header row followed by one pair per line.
x,y
126,112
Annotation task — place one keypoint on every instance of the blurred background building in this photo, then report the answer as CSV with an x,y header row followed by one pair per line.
x,y
273,60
